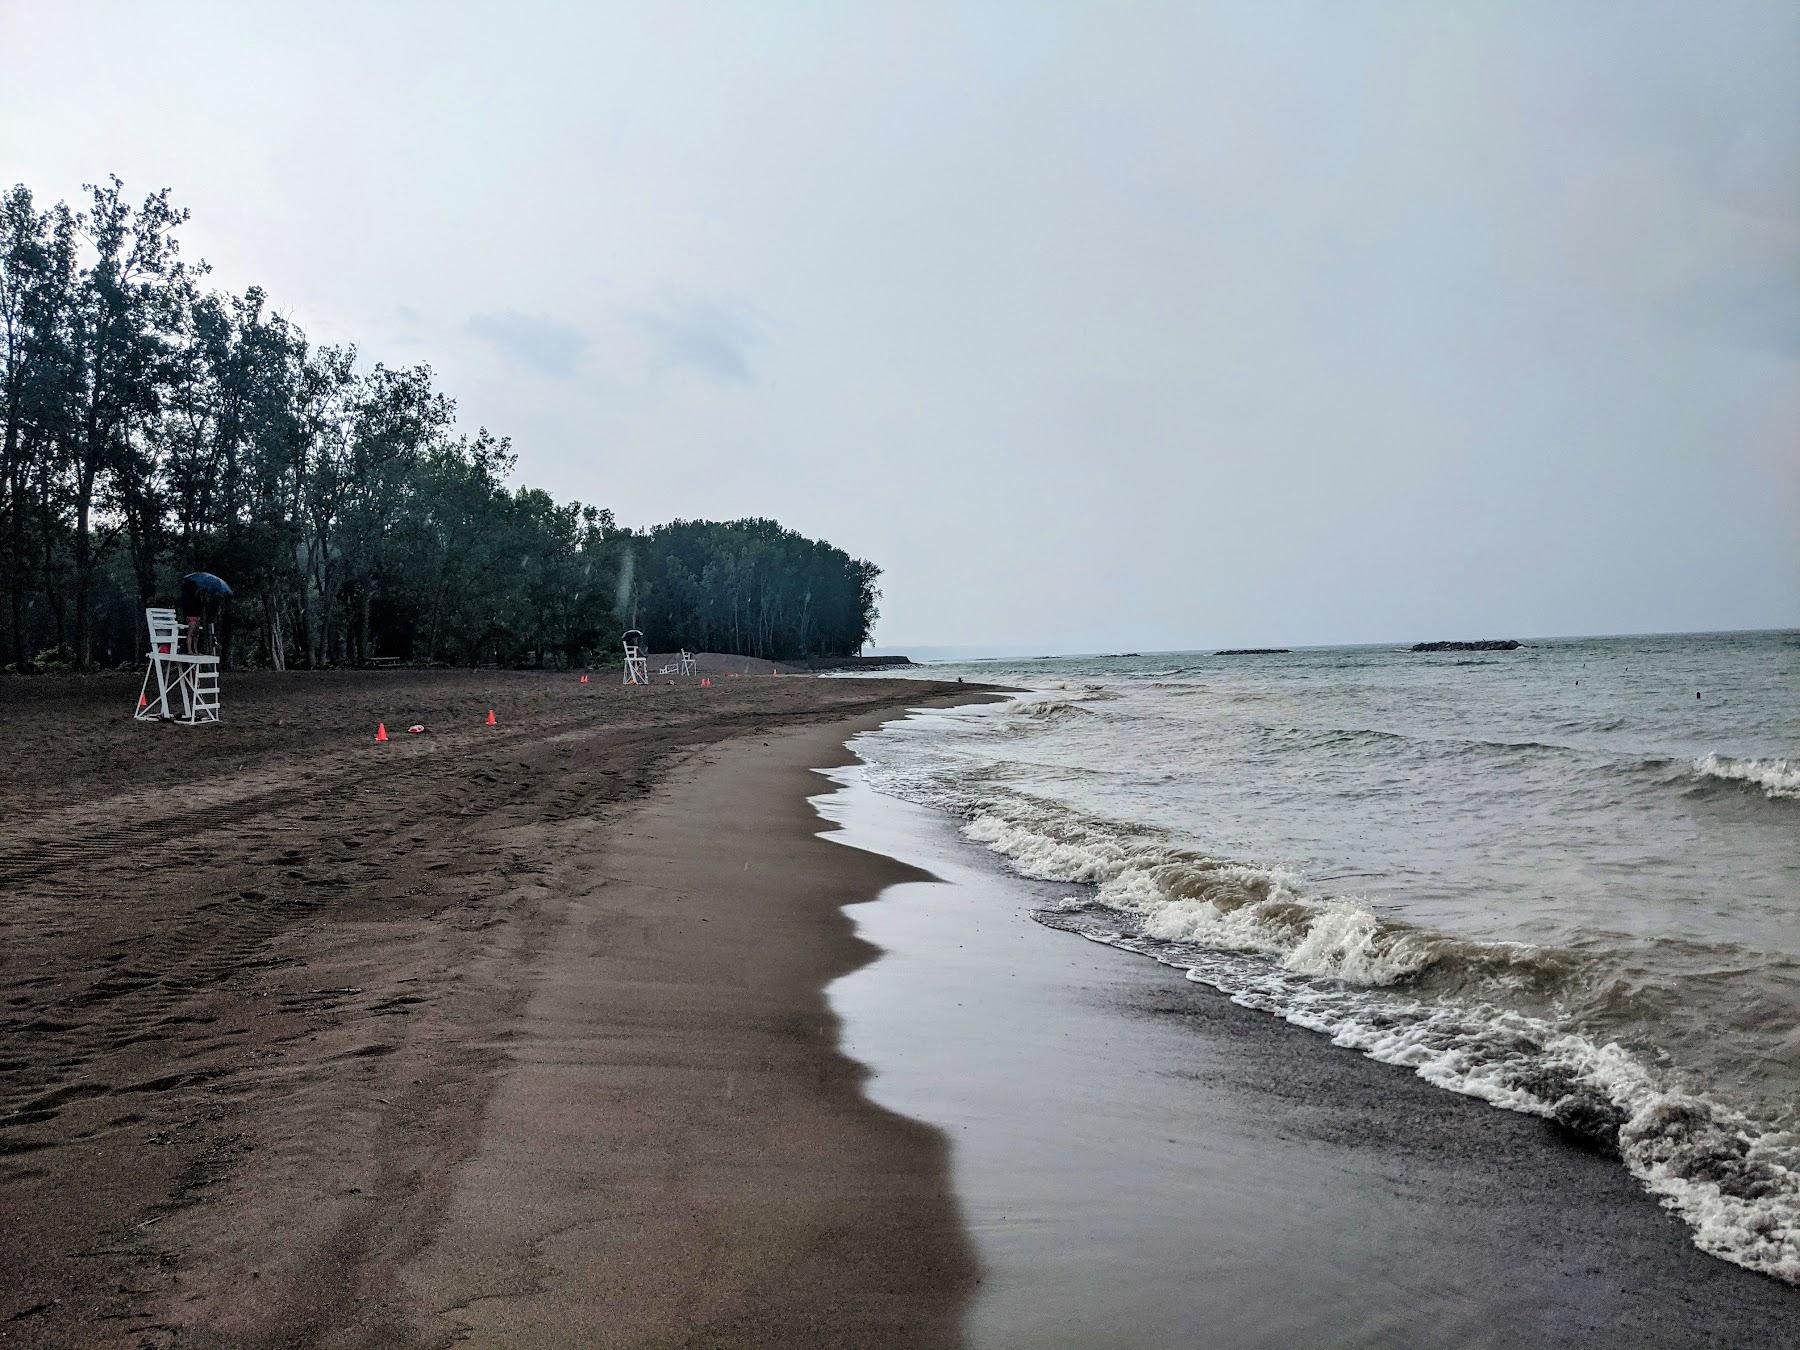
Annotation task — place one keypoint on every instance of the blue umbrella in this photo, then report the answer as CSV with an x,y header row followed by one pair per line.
x,y
208,583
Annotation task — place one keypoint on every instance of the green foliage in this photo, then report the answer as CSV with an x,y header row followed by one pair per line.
x,y
751,586
152,429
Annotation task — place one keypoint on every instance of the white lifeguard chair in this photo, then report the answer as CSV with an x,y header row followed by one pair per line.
x,y
637,660
189,680
686,664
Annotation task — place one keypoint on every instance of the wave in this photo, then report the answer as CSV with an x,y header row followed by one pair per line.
x,y
1322,737
1591,725
1068,701
1428,1001
1778,778
1176,895
1734,1182
1048,709
1568,1034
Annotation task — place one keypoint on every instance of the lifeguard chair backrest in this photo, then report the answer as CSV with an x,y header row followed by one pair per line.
x,y
165,632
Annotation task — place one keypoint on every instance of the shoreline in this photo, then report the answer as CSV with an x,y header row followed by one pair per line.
x,y
681,1151
1135,1150
620,1025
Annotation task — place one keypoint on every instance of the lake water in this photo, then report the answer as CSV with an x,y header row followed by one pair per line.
x,y
1564,879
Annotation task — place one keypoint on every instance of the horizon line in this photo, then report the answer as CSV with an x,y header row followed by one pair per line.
x,y
898,647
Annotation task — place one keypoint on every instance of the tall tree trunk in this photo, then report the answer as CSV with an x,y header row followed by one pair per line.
x,y
17,573
277,644
47,573
84,565
437,608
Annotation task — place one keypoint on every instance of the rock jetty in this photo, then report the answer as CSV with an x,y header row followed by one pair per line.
x,y
835,663
1490,645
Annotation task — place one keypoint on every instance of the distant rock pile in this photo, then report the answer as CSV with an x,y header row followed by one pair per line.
x,y
1254,651
1490,645
835,663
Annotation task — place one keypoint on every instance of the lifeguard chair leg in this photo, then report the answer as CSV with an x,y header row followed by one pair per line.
x,y
161,670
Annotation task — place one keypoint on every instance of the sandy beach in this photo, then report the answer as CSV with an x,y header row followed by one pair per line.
x,y
559,1032
514,1034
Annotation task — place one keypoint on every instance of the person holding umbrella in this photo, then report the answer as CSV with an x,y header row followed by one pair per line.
x,y
201,595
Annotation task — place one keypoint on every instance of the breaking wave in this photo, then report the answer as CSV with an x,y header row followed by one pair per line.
x,y
1439,1005
1176,895
1734,1181
1067,701
1654,1017
1777,778
1045,709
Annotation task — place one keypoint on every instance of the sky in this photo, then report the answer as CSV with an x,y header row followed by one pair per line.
x,y
1098,326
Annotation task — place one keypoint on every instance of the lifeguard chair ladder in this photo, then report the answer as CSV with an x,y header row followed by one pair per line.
x,y
188,678
637,660
687,664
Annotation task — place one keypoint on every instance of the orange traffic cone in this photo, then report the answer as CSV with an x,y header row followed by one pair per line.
x,y
705,682
490,720
142,703
584,679
381,731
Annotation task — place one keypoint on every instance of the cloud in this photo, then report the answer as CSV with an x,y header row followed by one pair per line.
x,y
704,336
539,344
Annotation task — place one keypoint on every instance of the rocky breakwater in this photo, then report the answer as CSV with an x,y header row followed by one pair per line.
x,y
1487,645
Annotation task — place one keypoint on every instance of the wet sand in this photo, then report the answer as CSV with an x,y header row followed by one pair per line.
x,y
680,1152
1145,1163
489,1033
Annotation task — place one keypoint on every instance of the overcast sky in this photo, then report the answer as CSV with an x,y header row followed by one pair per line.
x,y
1097,326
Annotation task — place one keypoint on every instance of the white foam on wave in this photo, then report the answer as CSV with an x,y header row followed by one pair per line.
x,y
1736,1186
1210,902
1048,858
1045,708
1778,778
1347,942
1337,967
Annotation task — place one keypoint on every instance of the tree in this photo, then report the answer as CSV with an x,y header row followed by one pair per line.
x,y
201,431
754,587
126,303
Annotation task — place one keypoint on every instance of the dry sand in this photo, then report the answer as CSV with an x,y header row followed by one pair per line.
x,y
505,1033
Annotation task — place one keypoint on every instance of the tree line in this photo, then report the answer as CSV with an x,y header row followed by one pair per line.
x,y
153,427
